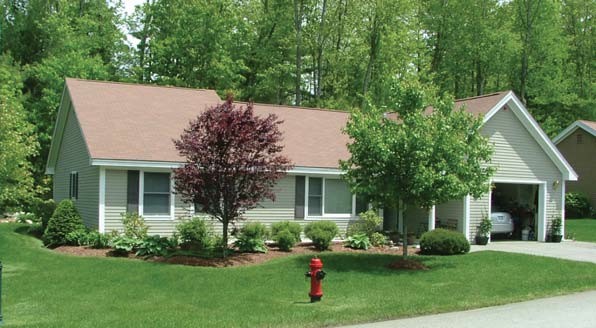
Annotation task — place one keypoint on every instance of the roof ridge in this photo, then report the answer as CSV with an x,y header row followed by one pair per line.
x,y
297,107
484,95
139,84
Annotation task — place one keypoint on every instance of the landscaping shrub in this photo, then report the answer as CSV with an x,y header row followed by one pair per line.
x,y
292,227
321,233
358,241
98,240
367,224
285,240
24,217
577,205
155,246
378,239
444,242
78,238
35,230
134,226
194,234
65,220
252,238
123,245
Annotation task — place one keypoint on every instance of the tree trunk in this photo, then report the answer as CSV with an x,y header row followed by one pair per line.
x,y
405,226
319,63
298,15
225,223
373,52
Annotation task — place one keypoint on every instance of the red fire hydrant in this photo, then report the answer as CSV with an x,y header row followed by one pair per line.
x,y
316,275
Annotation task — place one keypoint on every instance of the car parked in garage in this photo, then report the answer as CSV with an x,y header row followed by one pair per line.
x,y
502,223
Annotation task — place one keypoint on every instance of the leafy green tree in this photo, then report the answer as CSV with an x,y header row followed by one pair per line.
x,y
17,141
417,159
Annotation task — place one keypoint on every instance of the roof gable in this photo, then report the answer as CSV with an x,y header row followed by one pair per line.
x,y
588,126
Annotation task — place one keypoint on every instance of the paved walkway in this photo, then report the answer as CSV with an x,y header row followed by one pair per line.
x,y
569,250
576,311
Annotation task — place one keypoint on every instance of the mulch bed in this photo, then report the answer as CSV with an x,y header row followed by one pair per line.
x,y
236,259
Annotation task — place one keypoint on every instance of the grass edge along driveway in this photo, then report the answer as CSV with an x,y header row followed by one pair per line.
x,y
45,289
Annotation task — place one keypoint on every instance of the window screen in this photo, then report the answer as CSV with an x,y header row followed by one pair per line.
x,y
315,196
338,199
156,194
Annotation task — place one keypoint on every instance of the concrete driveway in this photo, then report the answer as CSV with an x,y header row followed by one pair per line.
x,y
574,311
569,250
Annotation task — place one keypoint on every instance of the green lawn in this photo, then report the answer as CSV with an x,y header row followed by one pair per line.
x,y
45,289
581,229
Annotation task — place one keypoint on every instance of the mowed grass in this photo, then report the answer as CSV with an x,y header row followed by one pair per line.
x,y
45,289
581,229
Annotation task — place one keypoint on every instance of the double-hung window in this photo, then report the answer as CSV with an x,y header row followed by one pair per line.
x,y
330,197
156,194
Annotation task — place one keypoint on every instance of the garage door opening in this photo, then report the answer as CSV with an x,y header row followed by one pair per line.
x,y
515,211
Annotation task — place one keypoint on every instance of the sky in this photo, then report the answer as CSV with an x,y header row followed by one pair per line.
x,y
129,8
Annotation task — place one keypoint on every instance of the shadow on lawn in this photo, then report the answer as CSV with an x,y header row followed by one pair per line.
x,y
369,263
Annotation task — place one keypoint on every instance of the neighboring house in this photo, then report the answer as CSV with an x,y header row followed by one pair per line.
x,y
578,144
112,152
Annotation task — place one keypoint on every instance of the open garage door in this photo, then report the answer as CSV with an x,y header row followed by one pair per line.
x,y
517,211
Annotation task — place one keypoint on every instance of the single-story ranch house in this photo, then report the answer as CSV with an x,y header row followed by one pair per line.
x,y
112,152
578,144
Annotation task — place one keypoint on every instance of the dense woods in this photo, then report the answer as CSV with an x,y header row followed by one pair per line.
x,y
338,54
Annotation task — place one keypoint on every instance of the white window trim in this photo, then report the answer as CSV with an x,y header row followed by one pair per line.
x,y
307,217
142,198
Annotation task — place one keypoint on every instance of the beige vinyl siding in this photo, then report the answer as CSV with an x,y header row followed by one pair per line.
x,y
73,156
582,157
517,156
451,210
116,191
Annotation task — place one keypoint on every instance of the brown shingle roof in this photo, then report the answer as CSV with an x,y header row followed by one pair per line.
x,y
123,121
138,122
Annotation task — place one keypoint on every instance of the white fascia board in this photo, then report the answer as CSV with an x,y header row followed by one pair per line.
x,y
570,129
115,163
59,127
535,131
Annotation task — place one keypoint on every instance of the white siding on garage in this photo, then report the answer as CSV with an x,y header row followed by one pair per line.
x,y
517,157
73,157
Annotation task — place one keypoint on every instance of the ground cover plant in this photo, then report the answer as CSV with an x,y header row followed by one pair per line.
x,y
581,229
40,289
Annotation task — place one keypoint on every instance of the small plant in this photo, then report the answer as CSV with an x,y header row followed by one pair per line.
x,y
252,238
134,226
78,238
155,246
321,233
285,240
27,218
485,227
367,224
99,240
378,239
444,242
65,220
292,227
556,229
195,234
358,241
123,245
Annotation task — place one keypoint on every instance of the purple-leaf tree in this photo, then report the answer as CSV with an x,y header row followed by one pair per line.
x,y
233,159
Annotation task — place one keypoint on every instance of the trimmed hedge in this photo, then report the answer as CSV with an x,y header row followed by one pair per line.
x,y
65,220
444,242
321,233
577,205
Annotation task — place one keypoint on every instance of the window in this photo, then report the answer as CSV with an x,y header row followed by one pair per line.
x,y
73,185
156,194
329,197
338,198
579,138
315,196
